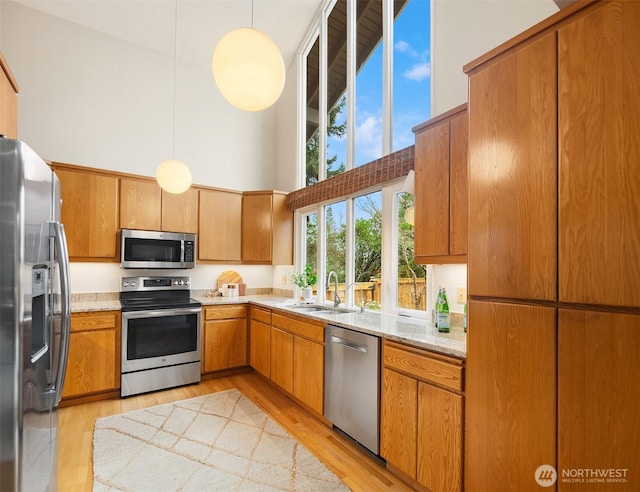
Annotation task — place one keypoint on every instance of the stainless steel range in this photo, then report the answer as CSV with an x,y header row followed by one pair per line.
x,y
160,334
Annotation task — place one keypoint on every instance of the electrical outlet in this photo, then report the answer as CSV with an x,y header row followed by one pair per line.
x,y
462,295
283,280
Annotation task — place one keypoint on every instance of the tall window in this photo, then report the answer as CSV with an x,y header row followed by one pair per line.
x,y
367,70
347,61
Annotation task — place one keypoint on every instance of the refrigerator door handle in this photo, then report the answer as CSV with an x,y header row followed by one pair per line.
x,y
62,254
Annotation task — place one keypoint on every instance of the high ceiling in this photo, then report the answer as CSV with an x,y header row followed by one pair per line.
x,y
200,23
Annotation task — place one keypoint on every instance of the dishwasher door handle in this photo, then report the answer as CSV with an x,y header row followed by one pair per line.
x,y
347,343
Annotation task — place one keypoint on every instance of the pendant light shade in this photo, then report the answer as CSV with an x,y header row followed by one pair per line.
x,y
173,176
248,69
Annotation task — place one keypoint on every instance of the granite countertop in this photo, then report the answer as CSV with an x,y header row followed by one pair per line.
x,y
412,331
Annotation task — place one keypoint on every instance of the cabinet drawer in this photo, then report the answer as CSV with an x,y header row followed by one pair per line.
x,y
94,321
260,314
299,327
225,312
423,365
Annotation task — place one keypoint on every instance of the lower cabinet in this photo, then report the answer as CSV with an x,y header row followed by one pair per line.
x,y
224,337
289,350
422,416
260,340
94,354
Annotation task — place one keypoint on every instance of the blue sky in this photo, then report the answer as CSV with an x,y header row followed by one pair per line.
x,y
411,88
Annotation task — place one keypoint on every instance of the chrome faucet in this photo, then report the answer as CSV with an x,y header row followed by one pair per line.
x,y
358,286
336,298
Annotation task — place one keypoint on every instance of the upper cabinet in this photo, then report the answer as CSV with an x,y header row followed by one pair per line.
x,y
599,158
220,229
89,213
267,228
140,204
8,101
180,212
441,188
146,206
512,174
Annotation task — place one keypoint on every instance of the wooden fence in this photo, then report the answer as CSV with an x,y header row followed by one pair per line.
x,y
411,293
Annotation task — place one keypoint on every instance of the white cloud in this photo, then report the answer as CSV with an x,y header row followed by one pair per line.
x,y
403,47
369,139
418,72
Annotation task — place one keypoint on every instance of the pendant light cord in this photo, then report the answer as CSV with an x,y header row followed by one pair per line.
x,y
175,69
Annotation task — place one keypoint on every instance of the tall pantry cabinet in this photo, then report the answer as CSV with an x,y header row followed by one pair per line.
x,y
553,265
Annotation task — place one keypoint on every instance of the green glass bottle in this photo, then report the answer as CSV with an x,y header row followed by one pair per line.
x,y
444,320
464,319
438,306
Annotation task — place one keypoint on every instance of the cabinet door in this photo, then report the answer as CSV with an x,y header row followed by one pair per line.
x,y
599,173
260,347
440,424
225,344
180,212
512,175
432,191
94,354
510,395
89,214
308,373
398,424
458,189
282,359
598,396
8,102
220,230
256,228
140,205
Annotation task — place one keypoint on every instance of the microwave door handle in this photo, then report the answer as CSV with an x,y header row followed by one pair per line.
x,y
62,255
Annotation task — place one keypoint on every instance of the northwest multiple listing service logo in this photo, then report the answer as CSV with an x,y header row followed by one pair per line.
x,y
547,475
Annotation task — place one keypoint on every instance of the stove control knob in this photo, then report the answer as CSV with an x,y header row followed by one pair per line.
x,y
125,283
175,282
180,282
186,282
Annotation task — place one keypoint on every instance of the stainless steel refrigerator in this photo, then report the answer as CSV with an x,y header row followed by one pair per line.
x,y
34,318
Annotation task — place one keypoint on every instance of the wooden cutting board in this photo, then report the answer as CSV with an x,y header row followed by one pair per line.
x,y
229,277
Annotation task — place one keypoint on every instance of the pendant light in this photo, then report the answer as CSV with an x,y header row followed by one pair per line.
x,y
172,175
248,68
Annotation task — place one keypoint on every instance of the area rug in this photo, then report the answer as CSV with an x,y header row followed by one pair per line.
x,y
221,441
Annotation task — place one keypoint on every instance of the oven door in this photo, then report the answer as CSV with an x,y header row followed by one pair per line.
x,y
160,338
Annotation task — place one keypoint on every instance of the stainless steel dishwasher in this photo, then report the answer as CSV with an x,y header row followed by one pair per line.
x,y
352,384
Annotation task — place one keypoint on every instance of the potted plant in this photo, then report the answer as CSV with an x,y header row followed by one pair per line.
x,y
306,280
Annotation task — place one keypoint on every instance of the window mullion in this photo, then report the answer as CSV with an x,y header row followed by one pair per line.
x,y
387,76
350,256
351,83
322,117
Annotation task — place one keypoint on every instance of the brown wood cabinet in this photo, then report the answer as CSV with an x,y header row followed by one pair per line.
x,y
89,213
180,212
422,422
140,204
441,188
599,158
512,175
224,337
260,340
598,397
297,358
529,178
220,226
511,394
8,101
267,228
94,354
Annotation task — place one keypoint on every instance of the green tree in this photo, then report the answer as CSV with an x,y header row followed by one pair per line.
x,y
407,268
313,146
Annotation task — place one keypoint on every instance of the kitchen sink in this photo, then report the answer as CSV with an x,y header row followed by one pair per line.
x,y
319,309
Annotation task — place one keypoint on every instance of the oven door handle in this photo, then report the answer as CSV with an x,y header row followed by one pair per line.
x,y
160,313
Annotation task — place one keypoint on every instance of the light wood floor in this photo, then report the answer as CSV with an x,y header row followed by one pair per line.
x,y
354,467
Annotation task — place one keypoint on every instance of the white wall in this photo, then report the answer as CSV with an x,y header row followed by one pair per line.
x,y
95,100
462,30
287,133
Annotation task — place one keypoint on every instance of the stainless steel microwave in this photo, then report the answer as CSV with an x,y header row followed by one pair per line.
x,y
155,249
